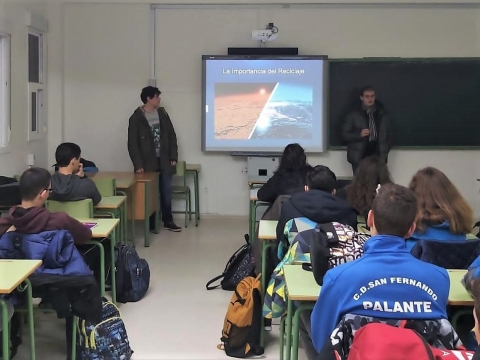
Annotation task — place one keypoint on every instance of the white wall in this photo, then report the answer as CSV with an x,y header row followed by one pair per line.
x,y
107,60
15,161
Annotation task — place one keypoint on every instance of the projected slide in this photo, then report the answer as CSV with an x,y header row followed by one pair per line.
x,y
263,111
263,105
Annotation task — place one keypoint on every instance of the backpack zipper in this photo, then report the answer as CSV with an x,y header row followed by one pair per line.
x,y
92,334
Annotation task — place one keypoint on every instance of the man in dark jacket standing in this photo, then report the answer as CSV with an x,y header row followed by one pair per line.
x,y
317,203
366,130
152,145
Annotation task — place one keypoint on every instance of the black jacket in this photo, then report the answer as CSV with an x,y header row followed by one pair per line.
x,y
141,146
283,183
355,122
318,206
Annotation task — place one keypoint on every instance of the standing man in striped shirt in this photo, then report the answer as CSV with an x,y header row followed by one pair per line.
x,y
366,130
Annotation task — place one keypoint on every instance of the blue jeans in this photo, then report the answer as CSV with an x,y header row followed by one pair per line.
x,y
166,198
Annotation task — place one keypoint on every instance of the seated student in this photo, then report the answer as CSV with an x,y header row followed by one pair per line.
x,y
31,217
443,214
362,190
290,177
69,183
387,281
317,202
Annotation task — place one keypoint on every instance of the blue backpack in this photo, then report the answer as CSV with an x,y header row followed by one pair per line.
x,y
106,340
132,275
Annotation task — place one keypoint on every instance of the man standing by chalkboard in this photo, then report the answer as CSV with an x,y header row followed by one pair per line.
x,y
365,130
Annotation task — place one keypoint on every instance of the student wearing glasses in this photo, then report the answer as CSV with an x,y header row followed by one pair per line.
x,y
31,217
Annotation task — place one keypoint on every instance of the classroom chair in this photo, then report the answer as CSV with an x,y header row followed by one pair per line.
x,y
82,209
447,254
183,192
106,186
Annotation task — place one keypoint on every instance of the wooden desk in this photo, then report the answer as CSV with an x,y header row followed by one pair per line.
x,y
267,230
301,286
145,193
12,274
105,228
194,169
116,206
458,296
252,213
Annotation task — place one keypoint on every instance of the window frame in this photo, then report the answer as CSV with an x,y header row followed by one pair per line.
x,y
39,88
5,92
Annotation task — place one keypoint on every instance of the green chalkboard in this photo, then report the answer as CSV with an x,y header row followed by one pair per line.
x,y
431,103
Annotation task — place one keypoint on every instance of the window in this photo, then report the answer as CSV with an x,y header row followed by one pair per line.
x,y
4,91
36,84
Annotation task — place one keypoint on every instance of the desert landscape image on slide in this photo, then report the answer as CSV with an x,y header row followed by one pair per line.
x,y
238,107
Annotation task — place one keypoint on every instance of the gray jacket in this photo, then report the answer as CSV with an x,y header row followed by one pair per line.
x,y
72,188
355,122
141,145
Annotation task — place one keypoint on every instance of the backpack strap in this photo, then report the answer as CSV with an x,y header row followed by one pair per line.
x,y
213,280
428,348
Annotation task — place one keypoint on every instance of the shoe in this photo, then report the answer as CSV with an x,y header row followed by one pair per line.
x,y
267,324
172,227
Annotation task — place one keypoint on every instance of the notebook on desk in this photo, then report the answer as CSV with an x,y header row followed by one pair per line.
x,y
90,225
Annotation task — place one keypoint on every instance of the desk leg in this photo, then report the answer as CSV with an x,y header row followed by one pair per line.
x,y
251,225
288,350
157,205
125,223
197,196
265,246
146,221
296,321
5,330
132,208
27,285
113,286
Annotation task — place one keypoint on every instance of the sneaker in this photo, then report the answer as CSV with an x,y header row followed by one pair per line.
x,y
267,324
172,227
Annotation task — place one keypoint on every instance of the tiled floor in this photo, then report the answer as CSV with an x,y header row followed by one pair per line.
x,y
179,318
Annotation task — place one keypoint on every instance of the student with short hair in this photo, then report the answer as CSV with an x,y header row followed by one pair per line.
x,y
443,213
69,183
31,217
387,281
317,202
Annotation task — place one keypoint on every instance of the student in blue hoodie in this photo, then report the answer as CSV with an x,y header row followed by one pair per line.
x,y
386,281
443,214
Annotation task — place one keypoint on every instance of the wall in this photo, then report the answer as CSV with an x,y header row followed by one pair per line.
x,y
15,161
107,52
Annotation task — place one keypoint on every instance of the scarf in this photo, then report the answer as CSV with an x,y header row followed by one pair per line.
x,y
371,121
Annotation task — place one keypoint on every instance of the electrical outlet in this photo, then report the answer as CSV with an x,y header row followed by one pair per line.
x,y
31,159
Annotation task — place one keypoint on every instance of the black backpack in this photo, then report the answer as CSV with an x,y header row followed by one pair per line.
x,y
240,265
132,274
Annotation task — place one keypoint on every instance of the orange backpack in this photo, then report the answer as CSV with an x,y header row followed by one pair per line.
x,y
242,327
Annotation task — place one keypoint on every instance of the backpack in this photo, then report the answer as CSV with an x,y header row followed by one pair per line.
x,y
240,265
377,341
241,328
106,340
132,274
332,244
